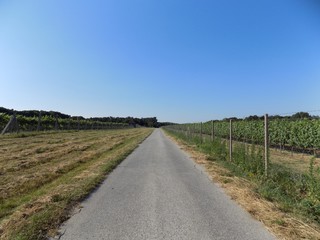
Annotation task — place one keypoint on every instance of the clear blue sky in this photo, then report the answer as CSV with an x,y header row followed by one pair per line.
x,y
178,60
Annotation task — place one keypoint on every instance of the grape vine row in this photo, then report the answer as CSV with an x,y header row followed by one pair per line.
x,y
283,133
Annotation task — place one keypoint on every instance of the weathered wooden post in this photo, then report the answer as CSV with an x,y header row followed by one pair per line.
x,y
16,123
78,123
201,137
39,121
212,130
194,130
230,144
56,122
11,124
266,144
7,126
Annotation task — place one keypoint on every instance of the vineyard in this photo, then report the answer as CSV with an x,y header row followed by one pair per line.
x,y
302,135
281,155
47,123
35,120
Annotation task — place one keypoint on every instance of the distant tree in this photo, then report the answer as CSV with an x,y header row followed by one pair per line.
x,y
145,122
301,115
6,111
276,117
231,118
253,117
161,124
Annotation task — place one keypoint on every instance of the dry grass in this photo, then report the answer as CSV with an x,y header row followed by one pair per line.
x,y
282,225
42,176
298,162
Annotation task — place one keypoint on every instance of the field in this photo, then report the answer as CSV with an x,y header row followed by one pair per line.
x,y
43,175
49,123
301,135
293,143
296,161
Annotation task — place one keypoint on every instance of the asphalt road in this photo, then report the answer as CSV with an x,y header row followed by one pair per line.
x,y
159,193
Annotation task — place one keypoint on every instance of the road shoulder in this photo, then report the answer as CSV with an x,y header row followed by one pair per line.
x,y
281,224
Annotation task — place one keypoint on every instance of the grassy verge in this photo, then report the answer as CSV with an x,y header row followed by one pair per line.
x,y
44,176
287,202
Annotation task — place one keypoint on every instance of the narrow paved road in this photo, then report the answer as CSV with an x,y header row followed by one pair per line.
x,y
158,193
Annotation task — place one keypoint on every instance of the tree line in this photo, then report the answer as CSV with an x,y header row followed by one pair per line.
x,y
295,116
133,121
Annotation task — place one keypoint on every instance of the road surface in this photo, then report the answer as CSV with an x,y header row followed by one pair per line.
x,y
159,193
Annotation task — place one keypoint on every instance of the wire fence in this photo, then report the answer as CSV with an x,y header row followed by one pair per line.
x,y
280,154
297,135
18,123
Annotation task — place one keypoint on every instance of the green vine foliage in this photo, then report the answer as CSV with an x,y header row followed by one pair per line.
x,y
49,123
294,191
283,133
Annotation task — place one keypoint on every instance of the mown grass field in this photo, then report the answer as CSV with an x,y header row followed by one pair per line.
x,y
44,175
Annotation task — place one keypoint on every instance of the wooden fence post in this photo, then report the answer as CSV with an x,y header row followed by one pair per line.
x,y
212,130
78,123
39,121
201,137
56,122
266,144
11,125
8,127
15,122
230,143
194,130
